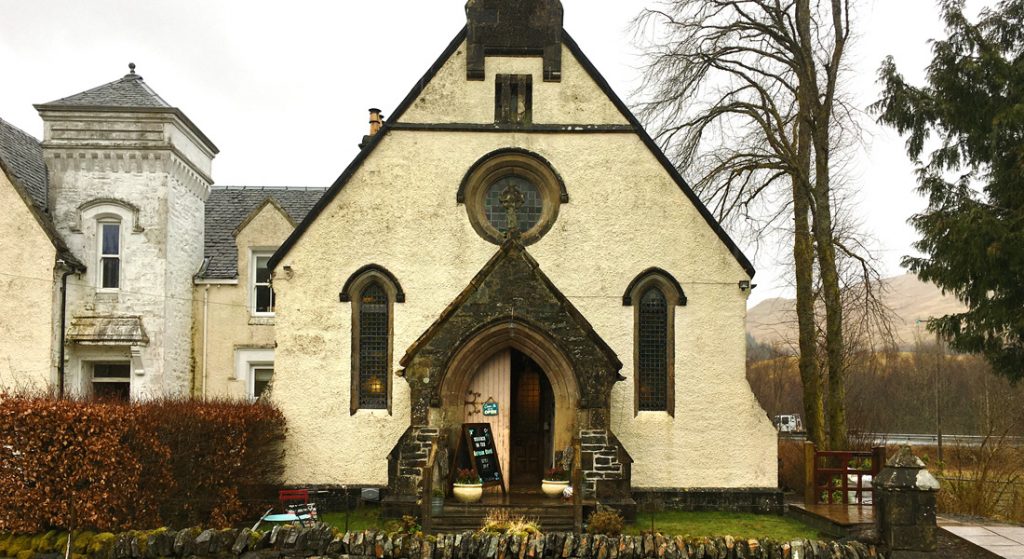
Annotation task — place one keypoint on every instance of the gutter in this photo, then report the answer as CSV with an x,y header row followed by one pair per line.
x,y
206,330
63,326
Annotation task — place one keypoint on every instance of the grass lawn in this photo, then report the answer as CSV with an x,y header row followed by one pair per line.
x,y
694,524
362,518
735,524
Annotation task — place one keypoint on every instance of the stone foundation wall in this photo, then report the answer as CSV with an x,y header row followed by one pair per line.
x,y
323,541
767,500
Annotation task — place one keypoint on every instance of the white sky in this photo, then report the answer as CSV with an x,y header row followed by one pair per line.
x,y
282,88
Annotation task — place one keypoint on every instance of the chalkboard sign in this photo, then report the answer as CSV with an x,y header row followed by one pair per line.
x,y
476,450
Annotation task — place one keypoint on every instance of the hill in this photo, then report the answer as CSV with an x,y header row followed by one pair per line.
x,y
911,300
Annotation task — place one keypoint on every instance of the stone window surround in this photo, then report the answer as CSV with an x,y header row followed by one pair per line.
x,y
501,163
355,284
255,252
89,216
248,358
674,296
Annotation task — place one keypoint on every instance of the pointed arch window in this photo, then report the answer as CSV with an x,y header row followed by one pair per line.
x,y
373,291
651,351
654,294
373,347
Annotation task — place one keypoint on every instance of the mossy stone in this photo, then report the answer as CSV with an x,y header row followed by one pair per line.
x,y
81,541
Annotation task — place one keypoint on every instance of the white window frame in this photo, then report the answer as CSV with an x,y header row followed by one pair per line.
x,y
252,376
101,224
93,379
247,359
253,256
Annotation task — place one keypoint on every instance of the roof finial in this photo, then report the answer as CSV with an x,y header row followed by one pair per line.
x,y
131,67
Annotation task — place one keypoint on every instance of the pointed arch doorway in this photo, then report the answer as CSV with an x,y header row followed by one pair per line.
x,y
512,393
531,381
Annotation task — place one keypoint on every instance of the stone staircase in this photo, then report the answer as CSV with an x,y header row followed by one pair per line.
x,y
459,517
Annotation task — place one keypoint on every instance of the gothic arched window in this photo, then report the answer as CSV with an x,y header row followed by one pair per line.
x,y
374,340
373,291
652,351
654,294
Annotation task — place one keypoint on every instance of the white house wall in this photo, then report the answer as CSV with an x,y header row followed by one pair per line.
x,y
130,159
27,303
624,214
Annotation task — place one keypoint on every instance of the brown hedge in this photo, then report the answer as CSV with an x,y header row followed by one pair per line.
x,y
109,466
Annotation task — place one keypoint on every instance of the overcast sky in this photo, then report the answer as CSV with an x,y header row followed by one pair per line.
x,y
283,88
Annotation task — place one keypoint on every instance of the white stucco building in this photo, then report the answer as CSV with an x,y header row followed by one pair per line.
x,y
509,247
612,314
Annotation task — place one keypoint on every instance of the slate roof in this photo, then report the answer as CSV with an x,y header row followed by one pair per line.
x,y
21,159
127,92
229,206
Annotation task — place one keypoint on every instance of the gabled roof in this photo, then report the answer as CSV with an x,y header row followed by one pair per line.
x,y
574,48
22,156
21,159
127,92
490,293
229,207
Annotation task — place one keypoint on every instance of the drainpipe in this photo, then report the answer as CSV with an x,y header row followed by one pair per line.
x,y
206,331
63,326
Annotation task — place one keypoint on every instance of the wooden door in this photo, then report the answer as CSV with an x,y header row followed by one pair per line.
x,y
491,383
528,436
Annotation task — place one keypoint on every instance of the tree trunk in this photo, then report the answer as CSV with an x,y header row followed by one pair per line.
x,y
833,303
803,260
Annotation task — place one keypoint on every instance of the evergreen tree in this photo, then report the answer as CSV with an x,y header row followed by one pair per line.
x,y
969,117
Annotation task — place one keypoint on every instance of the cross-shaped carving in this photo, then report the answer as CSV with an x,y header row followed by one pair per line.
x,y
512,199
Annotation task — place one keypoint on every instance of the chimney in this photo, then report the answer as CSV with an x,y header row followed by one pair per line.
x,y
376,122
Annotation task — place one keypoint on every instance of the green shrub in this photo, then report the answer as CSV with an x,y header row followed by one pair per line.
x,y
605,521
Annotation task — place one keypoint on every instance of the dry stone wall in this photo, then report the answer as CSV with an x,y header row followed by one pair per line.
x,y
324,541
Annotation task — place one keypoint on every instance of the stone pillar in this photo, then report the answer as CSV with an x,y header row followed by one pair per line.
x,y
904,493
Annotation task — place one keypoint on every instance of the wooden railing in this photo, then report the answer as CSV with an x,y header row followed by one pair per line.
x,y
828,474
426,500
577,487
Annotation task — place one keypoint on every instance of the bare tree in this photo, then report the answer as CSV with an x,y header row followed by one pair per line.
x,y
746,94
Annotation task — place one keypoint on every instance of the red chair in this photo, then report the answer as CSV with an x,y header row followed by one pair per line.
x,y
296,501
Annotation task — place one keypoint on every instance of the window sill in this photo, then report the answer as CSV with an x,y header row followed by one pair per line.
x,y
373,412
261,321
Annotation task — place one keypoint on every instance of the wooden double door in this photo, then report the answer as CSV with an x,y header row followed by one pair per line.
x,y
524,418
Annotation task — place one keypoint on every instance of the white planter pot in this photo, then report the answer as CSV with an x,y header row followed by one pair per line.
x,y
468,492
553,489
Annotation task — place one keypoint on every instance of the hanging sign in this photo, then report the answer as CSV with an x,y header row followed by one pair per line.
x,y
490,407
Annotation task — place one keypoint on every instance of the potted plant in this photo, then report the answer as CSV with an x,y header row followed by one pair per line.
x,y
437,502
468,487
555,481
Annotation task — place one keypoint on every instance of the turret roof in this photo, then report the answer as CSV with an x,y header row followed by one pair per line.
x,y
129,91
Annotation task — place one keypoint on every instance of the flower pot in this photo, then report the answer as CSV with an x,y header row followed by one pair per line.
x,y
468,492
553,488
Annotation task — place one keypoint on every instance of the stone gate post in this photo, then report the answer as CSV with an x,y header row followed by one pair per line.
x,y
904,493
